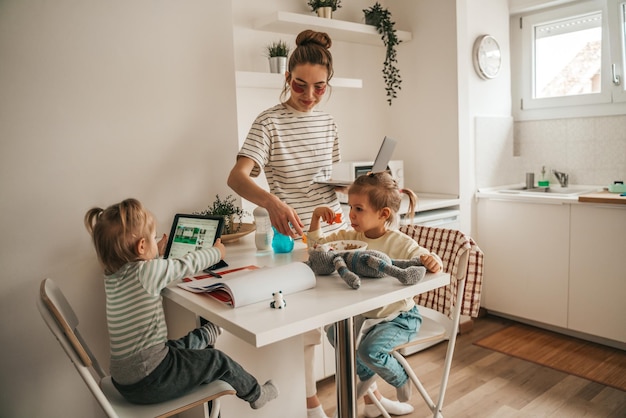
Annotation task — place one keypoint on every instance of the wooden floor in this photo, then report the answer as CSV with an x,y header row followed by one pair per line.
x,y
484,383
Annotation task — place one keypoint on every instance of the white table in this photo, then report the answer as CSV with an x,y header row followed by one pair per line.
x,y
331,301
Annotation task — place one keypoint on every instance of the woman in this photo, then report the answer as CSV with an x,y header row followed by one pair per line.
x,y
295,145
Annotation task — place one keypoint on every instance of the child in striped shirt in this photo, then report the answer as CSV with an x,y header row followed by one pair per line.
x,y
146,367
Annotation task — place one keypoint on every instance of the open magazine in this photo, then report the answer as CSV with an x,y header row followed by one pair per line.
x,y
251,284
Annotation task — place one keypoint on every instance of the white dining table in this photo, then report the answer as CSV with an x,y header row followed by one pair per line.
x,y
273,337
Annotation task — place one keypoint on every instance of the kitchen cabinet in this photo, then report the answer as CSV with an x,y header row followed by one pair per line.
x,y
526,247
597,271
558,264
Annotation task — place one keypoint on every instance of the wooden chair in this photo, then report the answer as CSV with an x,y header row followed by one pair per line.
x,y
442,308
63,322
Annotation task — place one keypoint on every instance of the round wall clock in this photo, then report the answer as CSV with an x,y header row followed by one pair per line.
x,y
487,57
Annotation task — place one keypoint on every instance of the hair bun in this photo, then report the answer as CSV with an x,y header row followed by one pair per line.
x,y
312,37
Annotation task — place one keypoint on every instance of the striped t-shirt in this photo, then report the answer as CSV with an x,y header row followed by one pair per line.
x,y
133,299
296,149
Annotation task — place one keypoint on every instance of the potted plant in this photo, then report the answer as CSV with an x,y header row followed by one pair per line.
x,y
227,208
324,8
381,18
277,53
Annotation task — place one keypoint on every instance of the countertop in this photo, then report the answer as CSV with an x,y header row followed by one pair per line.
x,y
494,193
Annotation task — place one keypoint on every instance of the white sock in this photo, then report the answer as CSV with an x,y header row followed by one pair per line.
x,y
317,412
269,391
392,407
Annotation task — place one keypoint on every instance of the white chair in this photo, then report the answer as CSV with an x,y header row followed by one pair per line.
x,y
443,307
63,322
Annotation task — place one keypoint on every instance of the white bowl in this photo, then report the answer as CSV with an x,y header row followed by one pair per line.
x,y
347,245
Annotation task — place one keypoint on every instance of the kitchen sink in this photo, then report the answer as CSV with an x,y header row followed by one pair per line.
x,y
554,190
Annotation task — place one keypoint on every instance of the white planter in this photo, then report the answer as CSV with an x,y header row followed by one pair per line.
x,y
325,12
278,65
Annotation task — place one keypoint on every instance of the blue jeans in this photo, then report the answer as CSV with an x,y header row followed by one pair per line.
x,y
373,355
190,362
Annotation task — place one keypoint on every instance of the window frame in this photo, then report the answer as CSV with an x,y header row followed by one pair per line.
x,y
611,100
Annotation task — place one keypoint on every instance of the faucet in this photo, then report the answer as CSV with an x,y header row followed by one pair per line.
x,y
563,178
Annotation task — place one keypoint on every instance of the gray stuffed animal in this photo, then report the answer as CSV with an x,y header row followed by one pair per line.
x,y
352,265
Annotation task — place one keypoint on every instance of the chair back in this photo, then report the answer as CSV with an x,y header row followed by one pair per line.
x,y
63,322
462,259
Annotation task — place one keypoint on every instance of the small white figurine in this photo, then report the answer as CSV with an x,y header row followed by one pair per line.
x,y
279,302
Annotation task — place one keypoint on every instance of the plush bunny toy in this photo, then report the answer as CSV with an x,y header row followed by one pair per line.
x,y
352,265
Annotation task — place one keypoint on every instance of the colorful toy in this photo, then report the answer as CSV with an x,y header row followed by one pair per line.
x,y
352,265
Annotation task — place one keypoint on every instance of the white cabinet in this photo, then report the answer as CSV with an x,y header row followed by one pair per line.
x,y
526,259
556,264
597,271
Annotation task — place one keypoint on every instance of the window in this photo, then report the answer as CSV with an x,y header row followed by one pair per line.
x,y
568,56
570,61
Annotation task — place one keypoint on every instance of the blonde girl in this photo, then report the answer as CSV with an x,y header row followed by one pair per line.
x,y
146,367
374,201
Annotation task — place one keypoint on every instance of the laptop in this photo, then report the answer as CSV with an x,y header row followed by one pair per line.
x,y
380,163
194,232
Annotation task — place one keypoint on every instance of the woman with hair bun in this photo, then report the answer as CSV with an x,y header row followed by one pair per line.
x,y
295,144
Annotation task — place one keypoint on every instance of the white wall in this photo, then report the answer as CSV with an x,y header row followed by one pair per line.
x,y
480,98
105,100
99,101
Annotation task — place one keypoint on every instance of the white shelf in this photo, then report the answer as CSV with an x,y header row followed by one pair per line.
x,y
275,81
339,30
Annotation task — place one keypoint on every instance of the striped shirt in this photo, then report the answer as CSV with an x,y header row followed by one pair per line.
x,y
133,299
296,149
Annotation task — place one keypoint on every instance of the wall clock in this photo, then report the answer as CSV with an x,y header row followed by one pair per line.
x,y
487,57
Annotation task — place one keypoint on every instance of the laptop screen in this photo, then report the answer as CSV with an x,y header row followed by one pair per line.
x,y
384,155
192,232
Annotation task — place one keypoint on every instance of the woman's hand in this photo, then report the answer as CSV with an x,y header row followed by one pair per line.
x,y
284,218
430,262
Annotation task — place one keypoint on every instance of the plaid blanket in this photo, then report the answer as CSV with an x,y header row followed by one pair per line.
x,y
450,244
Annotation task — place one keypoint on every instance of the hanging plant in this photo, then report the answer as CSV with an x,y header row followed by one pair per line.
x,y
381,18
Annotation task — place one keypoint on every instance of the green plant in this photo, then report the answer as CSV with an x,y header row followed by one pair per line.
x,y
316,4
227,208
277,49
381,18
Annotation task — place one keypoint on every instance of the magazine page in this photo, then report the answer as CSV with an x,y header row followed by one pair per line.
x,y
252,286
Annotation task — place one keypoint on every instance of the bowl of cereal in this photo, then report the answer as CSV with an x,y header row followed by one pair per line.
x,y
347,245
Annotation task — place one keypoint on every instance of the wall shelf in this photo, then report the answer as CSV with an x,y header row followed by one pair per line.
x,y
275,81
339,30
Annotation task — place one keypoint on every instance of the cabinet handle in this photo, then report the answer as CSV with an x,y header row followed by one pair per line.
x,y
616,77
